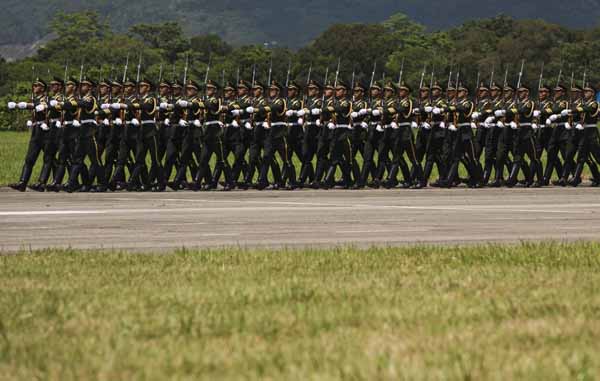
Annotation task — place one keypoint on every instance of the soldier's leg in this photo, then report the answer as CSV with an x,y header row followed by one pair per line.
x,y
501,156
267,159
138,177
33,151
157,167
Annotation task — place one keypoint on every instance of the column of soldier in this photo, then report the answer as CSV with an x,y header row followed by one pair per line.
x,y
375,133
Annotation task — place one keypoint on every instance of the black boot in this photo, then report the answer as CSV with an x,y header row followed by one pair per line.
x,y
329,178
576,180
513,178
392,180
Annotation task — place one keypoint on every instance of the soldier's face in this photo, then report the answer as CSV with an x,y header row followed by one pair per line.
x,y
229,93
292,92
340,92
164,90
388,93
558,94
508,94
588,94
70,89
436,93
242,91
358,94
483,93
523,94
85,88
328,92
116,90
375,93
129,90
104,90
210,91
191,92
451,94
543,95
576,94
273,93
462,94
403,93
424,94
495,93
258,92
38,89
176,91
313,91
55,88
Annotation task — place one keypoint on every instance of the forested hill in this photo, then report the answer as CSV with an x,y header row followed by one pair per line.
x,y
289,22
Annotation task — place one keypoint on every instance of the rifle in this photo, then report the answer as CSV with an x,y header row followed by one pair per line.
x,y
520,78
450,75
372,80
160,74
307,83
323,95
207,68
422,76
401,72
492,75
287,77
477,87
584,76
353,78
137,77
541,77
126,68
185,69
559,74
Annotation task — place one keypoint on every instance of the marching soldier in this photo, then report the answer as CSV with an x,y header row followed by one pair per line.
x,y
237,134
295,127
258,133
434,148
172,124
560,134
544,125
324,136
484,110
574,135
587,125
374,136
358,134
103,127
38,106
163,123
311,111
112,117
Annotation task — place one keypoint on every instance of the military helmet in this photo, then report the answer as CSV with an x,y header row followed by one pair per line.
x,y
576,89
483,87
545,87
451,86
129,82
294,85
229,86
315,83
391,86
116,83
165,83
104,82
329,85
377,85
57,81
589,87
524,87
509,88
424,87
560,87
177,85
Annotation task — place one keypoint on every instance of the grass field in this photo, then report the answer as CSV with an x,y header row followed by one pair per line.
x,y
13,147
530,311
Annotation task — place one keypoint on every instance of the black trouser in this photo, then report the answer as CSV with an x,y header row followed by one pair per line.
x,y
421,142
39,141
113,143
463,147
557,144
257,144
505,144
587,146
68,141
213,145
358,138
401,142
524,144
147,143
479,142
323,145
191,147
295,139
340,154
102,135
575,137
86,147
435,153
276,141
174,146
310,140
127,146
234,144
371,145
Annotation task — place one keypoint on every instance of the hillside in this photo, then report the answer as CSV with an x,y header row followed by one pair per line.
x,y
288,22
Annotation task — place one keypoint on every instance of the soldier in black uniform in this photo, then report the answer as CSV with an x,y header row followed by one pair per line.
x,y
542,114
574,134
310,112
432,113
484,110
175,131
560,134
69,127
339,127
86,145
505,116
358,134
488,120
587,124
112,117
295,134
236,133
324,135
213,109
524,140
162,116
191,129
463,146
374,136
38,106
256,124
103,128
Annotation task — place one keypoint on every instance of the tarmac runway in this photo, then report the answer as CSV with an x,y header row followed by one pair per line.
x,y
307,218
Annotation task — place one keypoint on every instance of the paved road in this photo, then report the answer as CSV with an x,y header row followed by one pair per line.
x,y
300,218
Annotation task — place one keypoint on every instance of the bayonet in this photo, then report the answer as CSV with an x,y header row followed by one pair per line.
x,y
126,68
208,67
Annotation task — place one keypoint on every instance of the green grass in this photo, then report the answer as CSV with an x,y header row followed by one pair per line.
x,y
13,147
529,311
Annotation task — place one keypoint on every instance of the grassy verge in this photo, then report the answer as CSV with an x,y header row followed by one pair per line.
x,y
489,312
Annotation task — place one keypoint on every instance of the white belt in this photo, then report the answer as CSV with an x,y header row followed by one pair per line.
x,y
525,124
54,120
276,124
144,122
343,126
67,123
293,124
404,124
542,126
464,125
86,121
590,125
212,123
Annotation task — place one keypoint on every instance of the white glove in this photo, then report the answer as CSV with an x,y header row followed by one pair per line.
x,y
22,105
452,127
331,126
568,126
135,122
379,128
44,127
315,111
443,125
414,125
76,123
301,113
247,126
197,123
289,113
537,113
266,125
58,124
565,112
183,123
115,106
250,110
376,112
353,115
426,126
53,103
475,115
119,122
488,125
436,111
513,125
394,125
167,122
489,120
364,125
12,105
235,124
428,109
183,104
553,117
363,111
579,127
499,113
473,126
40,107
500,124
103,106
106,122
164,106
29,123
548,122
235,112
534,126
300,121
318,122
